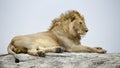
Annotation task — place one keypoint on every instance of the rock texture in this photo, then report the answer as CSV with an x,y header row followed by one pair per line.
x,y
62,60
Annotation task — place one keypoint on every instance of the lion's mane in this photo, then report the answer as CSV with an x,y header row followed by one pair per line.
x,y
61,24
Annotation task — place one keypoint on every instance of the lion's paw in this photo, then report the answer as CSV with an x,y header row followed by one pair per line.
x,y
41,54
102,51
100,48
59,50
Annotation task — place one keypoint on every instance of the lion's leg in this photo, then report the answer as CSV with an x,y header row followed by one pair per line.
x,y
33,52
53,49
36,52
81,48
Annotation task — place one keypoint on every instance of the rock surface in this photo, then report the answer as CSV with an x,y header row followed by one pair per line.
x,y
62,60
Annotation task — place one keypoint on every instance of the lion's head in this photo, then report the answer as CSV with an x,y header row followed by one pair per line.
x,y
71,23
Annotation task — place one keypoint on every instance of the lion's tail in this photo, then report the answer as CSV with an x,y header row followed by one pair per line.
x,y
10,51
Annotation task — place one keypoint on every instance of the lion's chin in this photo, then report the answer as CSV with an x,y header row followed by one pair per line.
x,y
82,35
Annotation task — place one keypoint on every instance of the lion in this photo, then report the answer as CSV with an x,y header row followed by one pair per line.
x,y
64,35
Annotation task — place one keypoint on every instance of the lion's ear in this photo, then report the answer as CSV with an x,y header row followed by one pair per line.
x,y
72,30
72,18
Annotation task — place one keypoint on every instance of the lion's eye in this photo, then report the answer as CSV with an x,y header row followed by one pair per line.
x,y
80,22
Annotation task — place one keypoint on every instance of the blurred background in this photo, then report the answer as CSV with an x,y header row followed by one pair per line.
x,y
19,17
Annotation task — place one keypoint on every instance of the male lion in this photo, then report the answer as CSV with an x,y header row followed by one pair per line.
x,y
63,35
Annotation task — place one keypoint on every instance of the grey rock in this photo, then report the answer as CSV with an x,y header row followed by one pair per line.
x,y
62,60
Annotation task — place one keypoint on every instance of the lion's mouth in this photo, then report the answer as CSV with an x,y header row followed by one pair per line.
x,y
81,33
82,36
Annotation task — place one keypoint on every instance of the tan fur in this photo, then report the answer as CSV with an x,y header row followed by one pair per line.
x,y
65,33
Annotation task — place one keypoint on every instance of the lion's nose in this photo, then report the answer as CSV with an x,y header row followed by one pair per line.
x,y
86,30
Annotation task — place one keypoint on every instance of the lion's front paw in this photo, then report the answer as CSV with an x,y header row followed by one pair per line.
x,y
98,48
41,54
101,51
